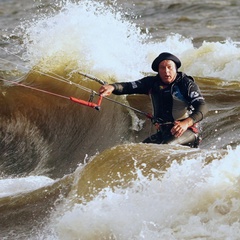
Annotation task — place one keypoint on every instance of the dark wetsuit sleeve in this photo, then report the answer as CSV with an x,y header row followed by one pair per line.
x,y
196,99
200,111
141,86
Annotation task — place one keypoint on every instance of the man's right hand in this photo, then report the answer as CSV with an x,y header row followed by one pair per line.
x,y
106,90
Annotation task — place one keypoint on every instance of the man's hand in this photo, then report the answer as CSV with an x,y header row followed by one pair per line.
x,y
106,90
181,126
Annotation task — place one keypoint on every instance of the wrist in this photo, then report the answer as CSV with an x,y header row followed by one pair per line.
x,y
114,86
189,122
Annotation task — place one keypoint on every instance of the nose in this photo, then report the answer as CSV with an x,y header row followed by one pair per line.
x,y
166,70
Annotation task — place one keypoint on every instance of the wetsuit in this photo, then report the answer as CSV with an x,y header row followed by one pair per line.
x,y
178,101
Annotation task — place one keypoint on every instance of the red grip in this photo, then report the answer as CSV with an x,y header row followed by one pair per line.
x,y
80,101
88,104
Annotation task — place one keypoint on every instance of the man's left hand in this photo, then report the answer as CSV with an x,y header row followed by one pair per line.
x,y
181,126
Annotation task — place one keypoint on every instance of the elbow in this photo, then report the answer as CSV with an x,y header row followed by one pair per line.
x,y
200,113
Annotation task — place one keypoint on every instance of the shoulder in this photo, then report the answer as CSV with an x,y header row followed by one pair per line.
x,y
185,81
148,81
184,78
187,85
149,78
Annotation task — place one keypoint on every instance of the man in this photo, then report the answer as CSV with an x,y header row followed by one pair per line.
x,y
178,104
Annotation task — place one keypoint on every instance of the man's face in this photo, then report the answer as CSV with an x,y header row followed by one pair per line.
x,y
167,71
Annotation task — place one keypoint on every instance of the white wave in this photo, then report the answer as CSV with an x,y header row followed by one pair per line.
x,y
192,200
13,186
213,59
101,40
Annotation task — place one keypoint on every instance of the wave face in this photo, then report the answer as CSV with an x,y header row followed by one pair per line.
x,y
69,171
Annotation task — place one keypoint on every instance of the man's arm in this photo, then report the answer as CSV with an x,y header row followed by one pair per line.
x,y
136,87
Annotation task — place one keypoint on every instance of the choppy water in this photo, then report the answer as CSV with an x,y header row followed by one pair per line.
x,y
71,172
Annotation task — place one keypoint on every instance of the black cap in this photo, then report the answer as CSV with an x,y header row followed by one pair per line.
x,y
165,56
